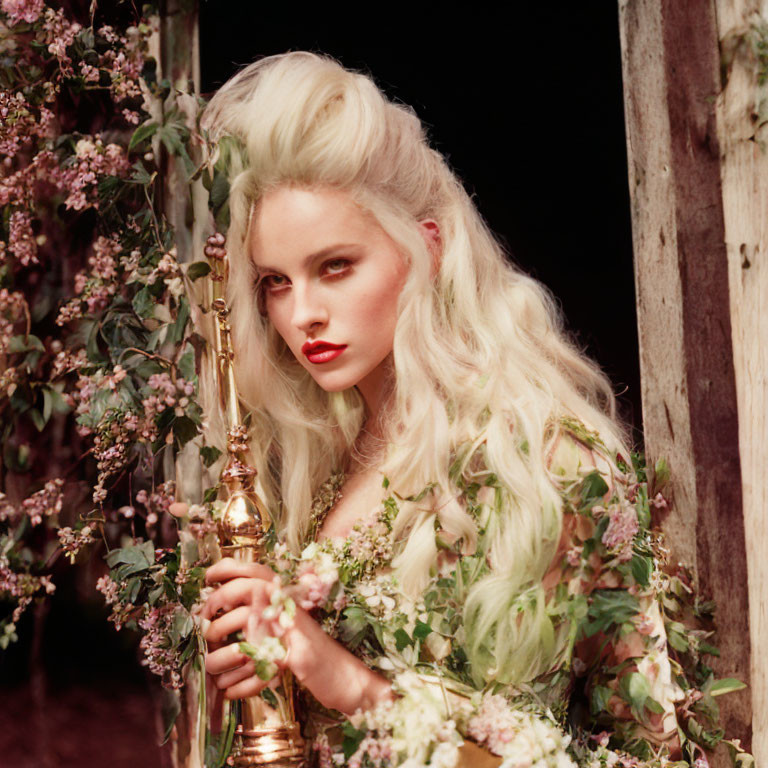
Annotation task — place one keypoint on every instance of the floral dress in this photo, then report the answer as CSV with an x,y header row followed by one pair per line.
x,y
629,687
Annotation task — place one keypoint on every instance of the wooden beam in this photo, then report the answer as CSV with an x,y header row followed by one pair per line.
x,y
702,395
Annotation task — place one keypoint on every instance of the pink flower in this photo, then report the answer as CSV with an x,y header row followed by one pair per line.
x,y
22,10
621,530
21,239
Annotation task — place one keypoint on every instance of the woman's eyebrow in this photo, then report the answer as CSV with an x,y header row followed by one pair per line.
x,y
309,259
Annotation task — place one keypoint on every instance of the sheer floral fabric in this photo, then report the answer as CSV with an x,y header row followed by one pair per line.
x,y
628,686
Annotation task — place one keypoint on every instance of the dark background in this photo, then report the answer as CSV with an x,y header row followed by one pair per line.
x,y
527,106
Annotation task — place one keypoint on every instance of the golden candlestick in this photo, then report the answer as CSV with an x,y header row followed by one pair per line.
x,y
265,735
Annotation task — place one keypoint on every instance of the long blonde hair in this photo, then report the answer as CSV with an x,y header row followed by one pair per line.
x,y
479,349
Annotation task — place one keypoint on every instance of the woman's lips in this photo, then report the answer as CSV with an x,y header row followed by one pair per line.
x,y
323,353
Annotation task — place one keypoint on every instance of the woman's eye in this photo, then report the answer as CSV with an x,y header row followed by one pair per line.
x,y
273,281
336,266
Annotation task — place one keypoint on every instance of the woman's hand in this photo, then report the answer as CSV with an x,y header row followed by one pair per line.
x,y
336,678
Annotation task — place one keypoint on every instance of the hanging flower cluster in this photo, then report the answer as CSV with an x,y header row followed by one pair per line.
x,y
97,360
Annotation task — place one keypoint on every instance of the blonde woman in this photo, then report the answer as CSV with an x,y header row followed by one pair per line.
x,y
463,539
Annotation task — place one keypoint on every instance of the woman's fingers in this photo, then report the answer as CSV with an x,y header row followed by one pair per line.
x,y
234,676
226,659
238,591
229,623
228,568
178,509
244,690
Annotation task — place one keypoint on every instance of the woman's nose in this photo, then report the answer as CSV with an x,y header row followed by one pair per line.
x,y
309,310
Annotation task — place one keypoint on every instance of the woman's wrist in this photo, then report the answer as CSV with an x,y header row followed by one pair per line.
x,y
336,678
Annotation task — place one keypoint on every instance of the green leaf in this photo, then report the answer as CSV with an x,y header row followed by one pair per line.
x,y
140,174
599,699
187,365
421,630
726,685
352,739
209,454
635,690
610,607
143,132
402,639
660,475
144,302
219,190
198,269
37,419
23,343
176,331
642,568
170,707
593,488
184,430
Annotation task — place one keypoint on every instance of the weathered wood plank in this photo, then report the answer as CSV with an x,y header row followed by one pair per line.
x,y
743,132
693,408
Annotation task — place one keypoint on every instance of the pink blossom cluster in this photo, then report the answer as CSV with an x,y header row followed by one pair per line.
x,y
21,238
314,583
46,502
20,123
66,361
22,10
9,380
621,530
13,307
495,724
157,502
97,287
160,653
92,161
22,587
370,541
372,750
110,459
73,541
20,187
167,394
323,752
58,33
121,612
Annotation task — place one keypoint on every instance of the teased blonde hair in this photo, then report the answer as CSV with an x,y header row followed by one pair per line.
x,y
479,350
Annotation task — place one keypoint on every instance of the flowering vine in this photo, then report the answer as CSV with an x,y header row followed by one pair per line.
x,y
98,388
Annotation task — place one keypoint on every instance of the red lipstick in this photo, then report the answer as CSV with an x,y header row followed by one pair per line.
x,y
322,351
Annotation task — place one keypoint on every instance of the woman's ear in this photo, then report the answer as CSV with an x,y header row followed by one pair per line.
x,y
430,230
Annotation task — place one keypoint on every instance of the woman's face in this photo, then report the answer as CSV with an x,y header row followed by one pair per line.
x,y
331,278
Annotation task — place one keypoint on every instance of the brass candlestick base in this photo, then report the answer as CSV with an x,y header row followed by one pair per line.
x,y
273,746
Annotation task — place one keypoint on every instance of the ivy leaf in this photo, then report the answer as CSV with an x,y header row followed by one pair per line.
x,y
352,739
610,606
37,419
421,631
726,685
599,699
593,488
642,568
144,302
143,132
23,343
170,708
176,331
402,639
140,175
209,454
198,269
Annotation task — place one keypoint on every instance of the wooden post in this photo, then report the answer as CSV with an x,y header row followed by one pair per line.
x,y
184,206
698,175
